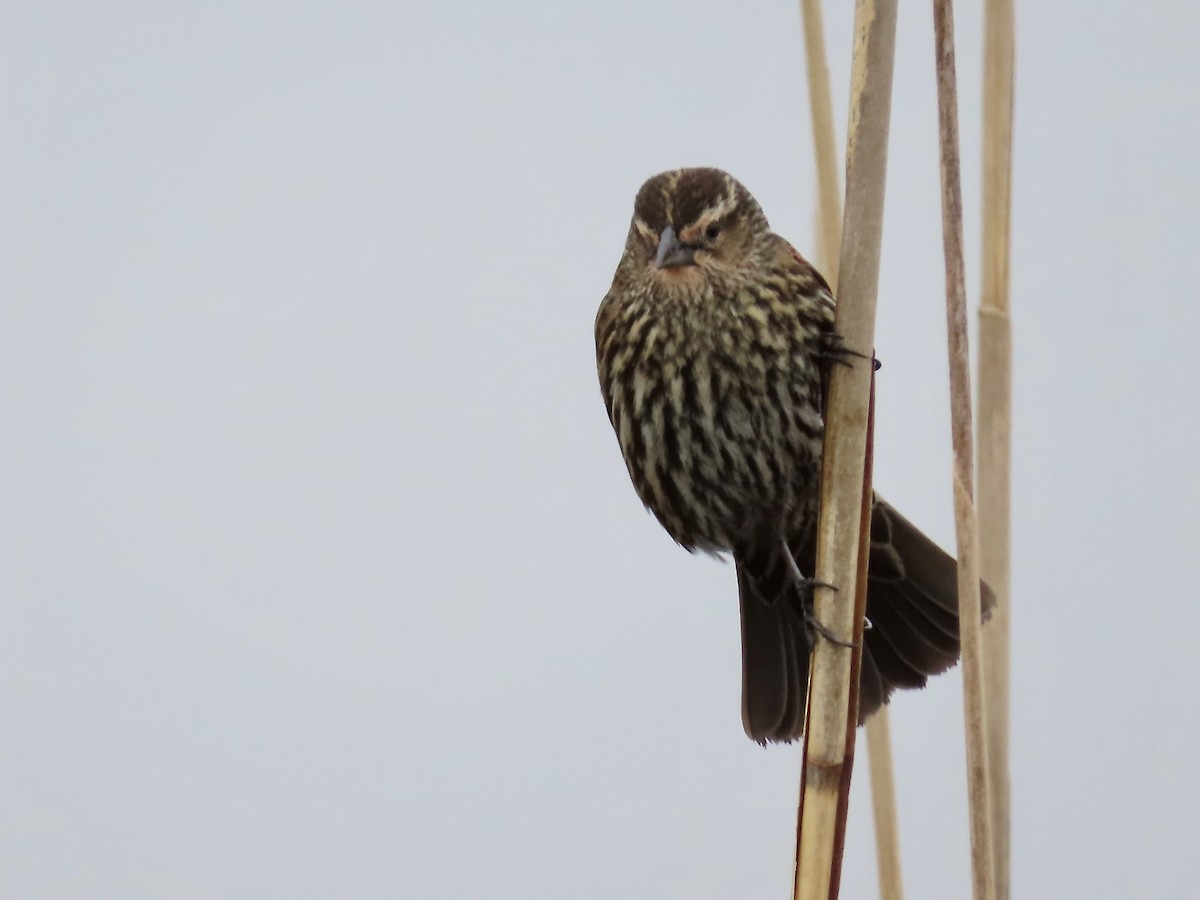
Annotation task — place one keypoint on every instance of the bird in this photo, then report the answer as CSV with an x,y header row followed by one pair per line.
x,y
714,346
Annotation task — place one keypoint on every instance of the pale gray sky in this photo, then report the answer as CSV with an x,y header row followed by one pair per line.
x,y
321,574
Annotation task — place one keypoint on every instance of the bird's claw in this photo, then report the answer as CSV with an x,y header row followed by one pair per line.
x,y
804,588
834,350
811,623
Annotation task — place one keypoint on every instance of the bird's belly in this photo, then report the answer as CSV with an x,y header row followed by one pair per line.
x,y
717,458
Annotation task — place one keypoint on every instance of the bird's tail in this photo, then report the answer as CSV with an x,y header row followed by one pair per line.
x,y
912,604
775,653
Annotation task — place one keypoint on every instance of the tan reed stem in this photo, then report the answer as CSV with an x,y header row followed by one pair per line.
x,y
845,483
995,411
966,527
820,102
883,805
829,237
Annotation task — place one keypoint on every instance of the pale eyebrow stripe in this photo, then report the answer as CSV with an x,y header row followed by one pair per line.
x,y
718,210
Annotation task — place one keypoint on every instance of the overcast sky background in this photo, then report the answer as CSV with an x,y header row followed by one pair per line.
x,y
321,573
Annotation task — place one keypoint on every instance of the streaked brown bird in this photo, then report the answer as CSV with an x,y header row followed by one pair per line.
x,y
713,346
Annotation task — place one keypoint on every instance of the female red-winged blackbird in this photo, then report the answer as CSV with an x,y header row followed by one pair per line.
x,y
713,347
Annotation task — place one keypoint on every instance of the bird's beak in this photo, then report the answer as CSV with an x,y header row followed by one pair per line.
x,y
671,253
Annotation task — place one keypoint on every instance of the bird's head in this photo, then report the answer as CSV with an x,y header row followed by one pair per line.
x,y
695,226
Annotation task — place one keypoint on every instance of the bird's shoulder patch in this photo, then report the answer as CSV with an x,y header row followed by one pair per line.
x,y
804,275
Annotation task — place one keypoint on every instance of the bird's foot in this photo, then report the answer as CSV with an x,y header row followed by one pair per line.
x,y
813,625
804,588
834,350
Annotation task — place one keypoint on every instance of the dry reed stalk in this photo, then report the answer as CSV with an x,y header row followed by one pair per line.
x,y
994,427
883,805
820,102
829,238
845,485
966,526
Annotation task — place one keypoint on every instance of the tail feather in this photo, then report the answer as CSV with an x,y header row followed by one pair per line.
x,y
774,661
911,636
937,570
895,661
912,605
870,685
796,644
939,626
934,626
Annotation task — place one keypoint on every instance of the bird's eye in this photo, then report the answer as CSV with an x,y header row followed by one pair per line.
x,y
712,231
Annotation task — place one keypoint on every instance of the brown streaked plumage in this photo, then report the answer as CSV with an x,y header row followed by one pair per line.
x,y
713,347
